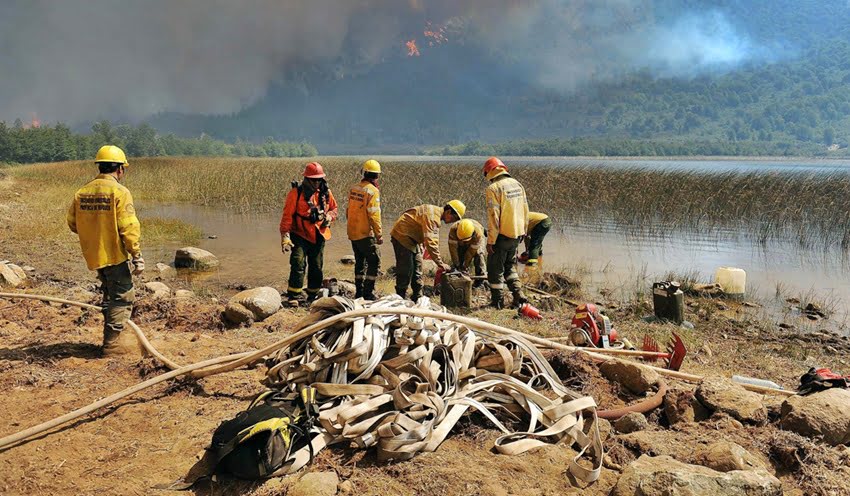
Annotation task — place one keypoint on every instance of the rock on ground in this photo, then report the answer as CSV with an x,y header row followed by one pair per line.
x,y
347,260
182,294
636,378
664,476
726,456
723,395
682,406
252,305
158,290
631,422
823,414
315,484
195,258
12,276
164,272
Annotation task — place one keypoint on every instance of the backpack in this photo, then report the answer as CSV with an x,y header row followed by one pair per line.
x,y
258,441
820,380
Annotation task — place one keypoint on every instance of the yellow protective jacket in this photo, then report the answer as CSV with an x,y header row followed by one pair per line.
x,y
364,211
507,208
473,244
535,218
420,225
104,217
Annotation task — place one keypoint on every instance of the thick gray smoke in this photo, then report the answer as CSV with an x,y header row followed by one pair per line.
x,y
73,60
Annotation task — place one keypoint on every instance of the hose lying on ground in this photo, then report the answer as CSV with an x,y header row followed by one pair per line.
x,y
236,360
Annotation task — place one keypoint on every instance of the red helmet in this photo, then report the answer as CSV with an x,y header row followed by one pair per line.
x,y
493,163
314,171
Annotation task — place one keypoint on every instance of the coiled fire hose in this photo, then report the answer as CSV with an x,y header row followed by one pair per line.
x,y
230,362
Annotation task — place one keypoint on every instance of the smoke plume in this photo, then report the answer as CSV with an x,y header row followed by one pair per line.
x,y
78,60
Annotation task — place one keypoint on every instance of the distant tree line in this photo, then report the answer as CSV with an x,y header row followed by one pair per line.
x,y
618,147
21,144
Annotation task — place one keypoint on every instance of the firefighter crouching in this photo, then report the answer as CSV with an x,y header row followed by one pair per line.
x,y
304,227
416,227
364,229
507,218
538,226
103,216
467,245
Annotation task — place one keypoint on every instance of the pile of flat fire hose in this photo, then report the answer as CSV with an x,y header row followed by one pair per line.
x,y
401,383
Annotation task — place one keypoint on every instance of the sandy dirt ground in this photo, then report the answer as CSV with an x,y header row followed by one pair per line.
x,y
50,364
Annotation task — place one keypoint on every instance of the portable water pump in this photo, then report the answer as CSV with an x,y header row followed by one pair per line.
x,y
591,328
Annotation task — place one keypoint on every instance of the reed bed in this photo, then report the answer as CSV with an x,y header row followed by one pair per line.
x,y
808,208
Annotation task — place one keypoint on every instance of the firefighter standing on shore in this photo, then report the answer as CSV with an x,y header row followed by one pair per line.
x,y
416,227
364,229
507,220
467,245
538,226
103,216
304,227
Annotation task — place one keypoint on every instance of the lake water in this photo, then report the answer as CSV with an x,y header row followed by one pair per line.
x,y
248,245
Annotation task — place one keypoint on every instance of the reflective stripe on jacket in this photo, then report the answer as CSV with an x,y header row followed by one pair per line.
x,y
364,211
474,244
535,218
104,217
420,225
507,208
296,218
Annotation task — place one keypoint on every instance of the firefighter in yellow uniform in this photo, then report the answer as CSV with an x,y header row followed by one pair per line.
x,y
104,217
364,229
538,227
416,227
467,245
507,218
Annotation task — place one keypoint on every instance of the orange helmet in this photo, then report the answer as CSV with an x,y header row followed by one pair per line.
x,y
493,163
314,171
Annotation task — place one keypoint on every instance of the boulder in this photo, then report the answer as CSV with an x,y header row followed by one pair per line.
x,y
158,290
723,395
315,484
12,276
347,260
726,456
664,476
825,414
682,406
635,377
184,294
195,258
252,305
631,422
164,272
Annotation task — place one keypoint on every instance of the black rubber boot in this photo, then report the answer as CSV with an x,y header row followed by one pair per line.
x,y
518,299
358,289
496,300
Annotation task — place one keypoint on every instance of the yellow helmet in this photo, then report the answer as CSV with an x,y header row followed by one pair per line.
x,y
110,153
465,229
458,207
372,165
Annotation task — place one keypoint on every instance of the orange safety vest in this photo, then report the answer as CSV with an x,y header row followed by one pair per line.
x,y
296,215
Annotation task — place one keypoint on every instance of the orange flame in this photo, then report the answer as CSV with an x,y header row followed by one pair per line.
x,y
435,36
35,121
412,49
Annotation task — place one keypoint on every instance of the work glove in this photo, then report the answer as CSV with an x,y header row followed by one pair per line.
x,y
138,265
285,243
491,249
446,268
379,239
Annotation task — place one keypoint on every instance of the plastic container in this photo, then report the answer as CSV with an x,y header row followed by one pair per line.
x,y
732,280
755,382
455,290
668,301
528,310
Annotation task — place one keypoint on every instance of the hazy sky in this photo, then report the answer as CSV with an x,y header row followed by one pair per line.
x,y
75,60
